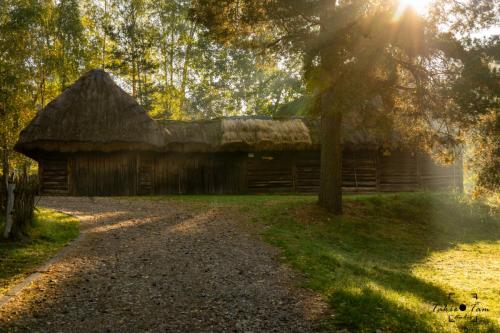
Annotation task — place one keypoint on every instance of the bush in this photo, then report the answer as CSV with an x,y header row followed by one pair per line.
x,y
484,158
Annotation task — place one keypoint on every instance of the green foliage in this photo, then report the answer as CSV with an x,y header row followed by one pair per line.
x,y
154,51
42,47
69,32
484,157
50,232
191,59
167,62
425,76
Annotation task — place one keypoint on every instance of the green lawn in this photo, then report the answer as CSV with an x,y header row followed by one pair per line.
x,y
390,260
50,232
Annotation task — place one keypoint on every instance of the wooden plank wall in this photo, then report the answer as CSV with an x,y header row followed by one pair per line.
x,y
149,173
398,171
362,171
145,174
359,171
402,170
53,173
199,173
435,177
307,166
270,173
299,172
99,174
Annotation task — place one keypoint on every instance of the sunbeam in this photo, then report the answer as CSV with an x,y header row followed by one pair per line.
x,y
420,6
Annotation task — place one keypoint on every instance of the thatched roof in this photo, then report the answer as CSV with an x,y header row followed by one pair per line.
x,y
92,114
241,134
257,134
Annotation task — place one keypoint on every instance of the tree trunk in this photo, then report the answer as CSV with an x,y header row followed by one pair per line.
x,y
8,212
104,22
9,191
134,91
185,67
139,83
172,50
330,190
5,162
278,101
165,61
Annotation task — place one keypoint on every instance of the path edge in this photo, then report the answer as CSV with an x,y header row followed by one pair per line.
x,y
40,270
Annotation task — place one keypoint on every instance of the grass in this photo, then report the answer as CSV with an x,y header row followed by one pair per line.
x,y
391,262
392,258
50,232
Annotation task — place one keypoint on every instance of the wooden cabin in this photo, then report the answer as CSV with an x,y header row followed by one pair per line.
x,y
95,140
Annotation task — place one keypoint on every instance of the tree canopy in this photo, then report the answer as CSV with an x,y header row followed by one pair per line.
x,y
424,74
429,74
155,51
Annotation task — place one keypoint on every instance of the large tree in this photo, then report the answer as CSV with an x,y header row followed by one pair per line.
x,y
173,69
369,56
42,50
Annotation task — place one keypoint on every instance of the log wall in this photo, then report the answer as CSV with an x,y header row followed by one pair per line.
x,y
100,174
198,173
53,174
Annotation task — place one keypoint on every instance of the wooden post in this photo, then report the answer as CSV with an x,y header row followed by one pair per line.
x,y
8,211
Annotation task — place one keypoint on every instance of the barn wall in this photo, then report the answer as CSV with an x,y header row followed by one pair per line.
x,y
307,170
398,171
278,172
433,176
362,171
402,170
359,170
53,175
100,174
198,173
270,172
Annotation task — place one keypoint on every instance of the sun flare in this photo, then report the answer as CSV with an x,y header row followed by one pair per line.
x,y
420,6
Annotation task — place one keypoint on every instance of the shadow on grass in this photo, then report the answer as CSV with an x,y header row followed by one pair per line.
x,y
356,309
363,261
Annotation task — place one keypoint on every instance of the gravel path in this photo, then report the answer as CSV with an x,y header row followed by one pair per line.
x,y
162,266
